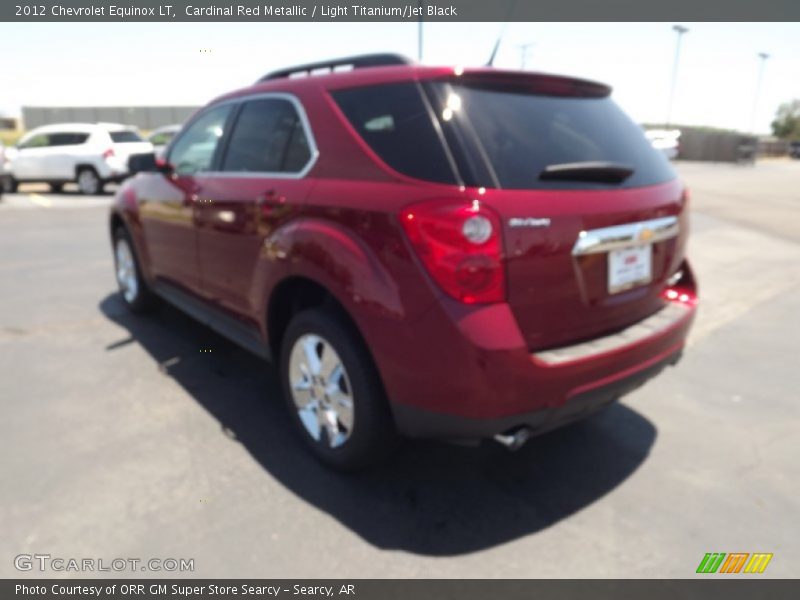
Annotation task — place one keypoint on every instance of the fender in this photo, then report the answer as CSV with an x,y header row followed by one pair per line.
x,y
125,207
333,257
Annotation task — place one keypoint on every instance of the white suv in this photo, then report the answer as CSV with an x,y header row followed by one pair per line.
x,y
91,155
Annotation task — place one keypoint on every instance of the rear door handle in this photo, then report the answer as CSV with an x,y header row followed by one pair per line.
x,y
267,197
269,200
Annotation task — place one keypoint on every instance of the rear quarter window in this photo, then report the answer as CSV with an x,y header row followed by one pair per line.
x,y
397,125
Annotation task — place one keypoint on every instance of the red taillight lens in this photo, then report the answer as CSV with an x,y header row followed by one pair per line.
x,y
460,245
108,153
681,287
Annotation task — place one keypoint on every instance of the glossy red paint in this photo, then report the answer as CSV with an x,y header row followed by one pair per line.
x,y
233,241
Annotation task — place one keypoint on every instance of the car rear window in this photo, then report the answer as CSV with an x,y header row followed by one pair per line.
x,y
485,133
395,122
125,136
520,133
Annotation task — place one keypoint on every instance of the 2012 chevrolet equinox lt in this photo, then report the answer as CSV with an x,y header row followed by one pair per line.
x,y
435,252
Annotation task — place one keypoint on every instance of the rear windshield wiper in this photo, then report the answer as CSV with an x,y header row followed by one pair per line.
x,y
601,172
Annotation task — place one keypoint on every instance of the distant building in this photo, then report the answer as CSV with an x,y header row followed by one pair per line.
x,y
711,144
143,117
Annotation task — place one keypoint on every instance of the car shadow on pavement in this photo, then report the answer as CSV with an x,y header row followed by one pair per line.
x,y
430,498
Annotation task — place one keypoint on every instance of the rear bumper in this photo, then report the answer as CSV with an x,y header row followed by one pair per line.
x,y
416,422
469,374
112,170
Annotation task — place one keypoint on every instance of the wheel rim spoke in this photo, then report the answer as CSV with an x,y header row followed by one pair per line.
x,y
321,390
310,419
329,362
310,344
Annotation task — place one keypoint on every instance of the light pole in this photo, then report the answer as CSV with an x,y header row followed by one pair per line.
x,y
419,33
763,56
680,30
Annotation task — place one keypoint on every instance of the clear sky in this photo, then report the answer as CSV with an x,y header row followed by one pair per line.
x,y
141,63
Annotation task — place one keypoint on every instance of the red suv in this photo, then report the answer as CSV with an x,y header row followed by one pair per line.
x,y
430,251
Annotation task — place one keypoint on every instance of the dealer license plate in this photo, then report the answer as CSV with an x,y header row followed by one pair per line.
x,y
629,267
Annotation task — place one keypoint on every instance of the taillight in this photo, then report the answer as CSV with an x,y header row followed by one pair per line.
x,y
461,247
108,153
681,287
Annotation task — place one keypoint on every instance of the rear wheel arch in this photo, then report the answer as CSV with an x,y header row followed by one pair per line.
x,y
95,183
295,294
301,307
82,166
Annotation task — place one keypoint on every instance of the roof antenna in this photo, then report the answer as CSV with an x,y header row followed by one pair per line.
x,y
511,6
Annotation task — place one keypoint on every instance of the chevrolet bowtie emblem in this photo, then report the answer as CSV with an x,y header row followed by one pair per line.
x,y
645,235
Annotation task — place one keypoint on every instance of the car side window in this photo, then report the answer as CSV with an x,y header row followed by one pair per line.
x,y
38,141
194,150
268,137
161,139
68,139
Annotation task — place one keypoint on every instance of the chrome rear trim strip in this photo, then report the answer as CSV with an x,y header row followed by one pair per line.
x,y
595,241
652,325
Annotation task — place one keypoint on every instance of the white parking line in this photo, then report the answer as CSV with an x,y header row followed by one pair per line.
x,y
34,201
40,200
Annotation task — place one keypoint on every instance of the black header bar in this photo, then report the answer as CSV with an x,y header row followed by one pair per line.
x,y
399,10
708,587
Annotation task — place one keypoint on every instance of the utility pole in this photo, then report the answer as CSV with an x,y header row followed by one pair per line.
x,y
680,30
523,54
762,56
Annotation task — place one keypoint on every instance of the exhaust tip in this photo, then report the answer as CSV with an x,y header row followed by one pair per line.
x,y
514,440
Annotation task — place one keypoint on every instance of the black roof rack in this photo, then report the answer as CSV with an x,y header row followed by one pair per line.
x,y
354,62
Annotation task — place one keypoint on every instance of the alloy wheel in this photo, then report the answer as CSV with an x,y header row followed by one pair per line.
x,y
321,390
88,182
126,271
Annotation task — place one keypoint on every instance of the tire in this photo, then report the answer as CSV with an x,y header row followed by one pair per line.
x,y
132,287
346,439
89,182
56,188
10,185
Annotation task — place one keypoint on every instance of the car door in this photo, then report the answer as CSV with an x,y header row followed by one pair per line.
x,y
260,186
167,202
60,162
30,159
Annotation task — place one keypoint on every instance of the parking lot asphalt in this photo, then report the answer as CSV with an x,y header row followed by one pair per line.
x,y
152,437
